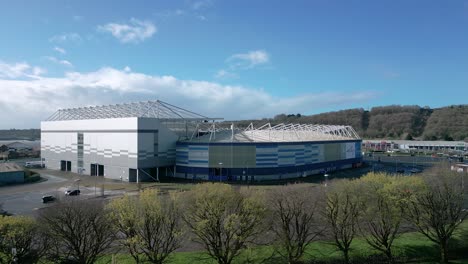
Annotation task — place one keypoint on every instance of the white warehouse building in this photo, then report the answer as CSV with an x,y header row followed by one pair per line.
x,y
130,142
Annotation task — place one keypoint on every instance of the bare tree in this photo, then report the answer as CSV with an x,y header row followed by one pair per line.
x,y
341,214
293,219
80,231
150,225
224,220
439,209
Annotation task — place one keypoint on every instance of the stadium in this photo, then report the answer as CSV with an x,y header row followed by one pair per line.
x,y
267,152
146,140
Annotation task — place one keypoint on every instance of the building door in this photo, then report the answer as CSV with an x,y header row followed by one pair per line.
x,y
93,170
132,175
68,165
100,170
63,165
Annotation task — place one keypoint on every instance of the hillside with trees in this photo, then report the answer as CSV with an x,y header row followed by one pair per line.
x,y
448,123
14,134
390,122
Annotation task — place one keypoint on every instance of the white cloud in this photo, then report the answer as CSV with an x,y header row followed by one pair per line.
x,y
223,74
134,32
249,59
201,17
201,4
179,12
171,13
19,70
41,97
58,61
37,71
66,37
60,50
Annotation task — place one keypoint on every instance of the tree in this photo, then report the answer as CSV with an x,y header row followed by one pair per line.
x,y
21,240
294,220
448,123
385,198
438,210
224,220
149,224
123,213
341,213
79,230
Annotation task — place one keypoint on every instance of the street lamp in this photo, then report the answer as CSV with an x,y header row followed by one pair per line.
x,y
326,178
220,170
96,173
13,252
78,183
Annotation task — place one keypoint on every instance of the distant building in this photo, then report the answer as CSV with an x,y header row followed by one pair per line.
x,y
11,173
4,155
3,148
415,145
19,147
460,167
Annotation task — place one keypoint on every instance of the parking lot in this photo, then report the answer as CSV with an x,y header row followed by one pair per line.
x,y
402,164
26,199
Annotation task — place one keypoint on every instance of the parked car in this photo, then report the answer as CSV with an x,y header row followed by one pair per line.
x,y
34,164
48,198
4,213
72,192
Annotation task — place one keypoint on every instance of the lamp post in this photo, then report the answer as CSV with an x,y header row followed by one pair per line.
x,y
78,183
396,165
220,170
463,173
13,252
95,177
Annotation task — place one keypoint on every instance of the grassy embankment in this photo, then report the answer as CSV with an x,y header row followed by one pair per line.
x,y
410,247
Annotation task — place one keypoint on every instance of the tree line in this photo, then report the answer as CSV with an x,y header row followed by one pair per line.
x,y
226,220
392,122
26,134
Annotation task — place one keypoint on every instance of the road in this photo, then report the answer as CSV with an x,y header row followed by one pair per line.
x,y
25,199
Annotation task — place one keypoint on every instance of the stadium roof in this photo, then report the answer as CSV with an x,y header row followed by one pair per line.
x,y
152,109
269,133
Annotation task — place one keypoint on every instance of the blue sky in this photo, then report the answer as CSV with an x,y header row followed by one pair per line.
x,y
232,59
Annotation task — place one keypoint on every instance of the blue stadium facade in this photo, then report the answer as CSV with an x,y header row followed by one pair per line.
x,y
237,160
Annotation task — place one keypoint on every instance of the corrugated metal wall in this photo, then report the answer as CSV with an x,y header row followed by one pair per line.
x,y
263,155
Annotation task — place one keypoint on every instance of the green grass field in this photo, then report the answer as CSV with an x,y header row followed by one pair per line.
x,y
409,248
